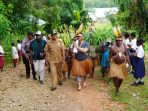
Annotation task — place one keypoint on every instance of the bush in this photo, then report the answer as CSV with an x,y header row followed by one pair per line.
x,y
101,33
6,43
4,22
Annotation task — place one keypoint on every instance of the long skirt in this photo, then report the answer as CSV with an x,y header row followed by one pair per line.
x,y
139,68
118,70
132,61
1,61
81,68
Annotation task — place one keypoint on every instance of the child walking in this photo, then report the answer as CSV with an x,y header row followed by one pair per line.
x,y
14,55
139,72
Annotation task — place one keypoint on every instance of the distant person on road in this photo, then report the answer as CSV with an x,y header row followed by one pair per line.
x,y
15,56
27,59
1,56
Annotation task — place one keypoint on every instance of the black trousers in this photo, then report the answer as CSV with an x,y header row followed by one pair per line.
x,y
28,68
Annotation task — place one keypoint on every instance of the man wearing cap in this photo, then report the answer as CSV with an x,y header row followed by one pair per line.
x,y
26,55
119,57
38,54
55,49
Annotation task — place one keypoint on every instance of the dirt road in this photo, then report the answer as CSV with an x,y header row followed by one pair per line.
x,y
19,94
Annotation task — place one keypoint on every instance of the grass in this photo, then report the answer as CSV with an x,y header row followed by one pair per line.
x,y
135,98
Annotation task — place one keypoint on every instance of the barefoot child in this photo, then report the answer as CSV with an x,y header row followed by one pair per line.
x,y
14,55
1,56
139,64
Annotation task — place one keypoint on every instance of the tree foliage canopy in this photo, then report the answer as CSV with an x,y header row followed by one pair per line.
x,y
23,15
133,14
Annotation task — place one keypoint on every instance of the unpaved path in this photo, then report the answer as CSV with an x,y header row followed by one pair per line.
x,y
19,94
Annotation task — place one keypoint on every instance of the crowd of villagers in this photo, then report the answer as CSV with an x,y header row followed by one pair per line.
x,y
117,58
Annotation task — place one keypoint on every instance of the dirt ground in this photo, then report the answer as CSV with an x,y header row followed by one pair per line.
x,y
19,94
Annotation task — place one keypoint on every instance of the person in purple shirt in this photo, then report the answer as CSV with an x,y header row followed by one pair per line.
x,y
27,59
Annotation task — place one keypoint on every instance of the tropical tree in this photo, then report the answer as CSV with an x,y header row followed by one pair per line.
x,y
21,12
133,14
64,12
4,22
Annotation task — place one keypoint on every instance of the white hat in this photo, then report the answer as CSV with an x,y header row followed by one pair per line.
x,y
38,33
109,40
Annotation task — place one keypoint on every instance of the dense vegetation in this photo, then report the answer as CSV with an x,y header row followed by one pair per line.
x,y
21,16
132,15
17,17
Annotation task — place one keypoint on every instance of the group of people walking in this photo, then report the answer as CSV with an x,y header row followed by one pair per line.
x,y
116,58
